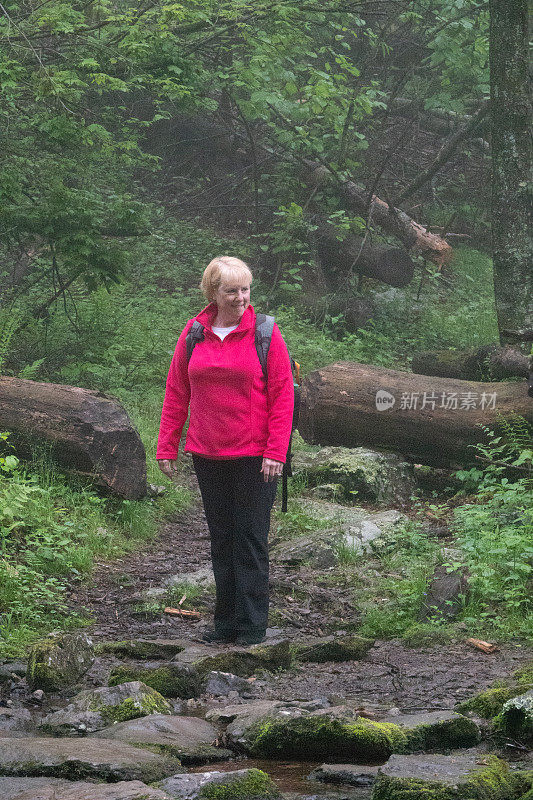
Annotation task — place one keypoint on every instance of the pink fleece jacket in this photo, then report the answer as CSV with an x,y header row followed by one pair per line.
x,y
234,412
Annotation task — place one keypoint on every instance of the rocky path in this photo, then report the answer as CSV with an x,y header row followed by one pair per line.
x,y
156,715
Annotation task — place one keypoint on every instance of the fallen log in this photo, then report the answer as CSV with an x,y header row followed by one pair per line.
x,y
390,265
428,420
490,361
88,432
392,220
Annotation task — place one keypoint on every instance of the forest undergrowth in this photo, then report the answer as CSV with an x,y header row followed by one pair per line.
x,y
120,339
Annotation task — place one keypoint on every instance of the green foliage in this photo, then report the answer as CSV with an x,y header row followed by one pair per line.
x,y
495,531
50,533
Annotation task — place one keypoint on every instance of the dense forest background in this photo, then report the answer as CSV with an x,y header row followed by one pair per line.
x,y
344,151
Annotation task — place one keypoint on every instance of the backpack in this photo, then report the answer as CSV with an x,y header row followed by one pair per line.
x,y
264,325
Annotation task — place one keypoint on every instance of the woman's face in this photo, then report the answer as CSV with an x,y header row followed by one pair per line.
x,y
232,299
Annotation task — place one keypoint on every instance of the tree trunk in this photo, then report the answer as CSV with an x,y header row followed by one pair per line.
x,y
339,407
491,361
390,265
511,121
88,432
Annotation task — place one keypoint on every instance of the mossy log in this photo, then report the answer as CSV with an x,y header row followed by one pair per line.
x,y
491,361
428,420
88,432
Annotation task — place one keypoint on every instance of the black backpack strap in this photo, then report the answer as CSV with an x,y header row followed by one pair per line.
x,y
264,325
195,335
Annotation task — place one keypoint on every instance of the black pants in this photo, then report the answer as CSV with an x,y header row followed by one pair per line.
x,y
237,503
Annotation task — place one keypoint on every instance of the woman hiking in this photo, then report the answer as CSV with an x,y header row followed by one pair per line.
x,y
238,435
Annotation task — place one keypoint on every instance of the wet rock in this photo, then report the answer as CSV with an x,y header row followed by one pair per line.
x,y
375,476
247,712
143,648
220,684
188,738
242,662
58,789
59,661
77,759
350,774
516,718
95,709
170,680
436,730
317,550
249,784
15,722
287,730
453,777
320,734
339,648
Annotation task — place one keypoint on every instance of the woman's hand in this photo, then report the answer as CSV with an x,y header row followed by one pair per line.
x,y
271,469
168,467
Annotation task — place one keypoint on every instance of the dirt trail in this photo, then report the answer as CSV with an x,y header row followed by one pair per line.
x,y
413,679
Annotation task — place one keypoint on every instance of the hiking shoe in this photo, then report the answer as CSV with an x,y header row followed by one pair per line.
x,y
246,639
211,636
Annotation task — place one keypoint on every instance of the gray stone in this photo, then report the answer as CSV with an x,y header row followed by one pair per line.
x,y
77,759
453,770
350,774
95,709
58,789
189,787
202,577
13,668
188,738
59,661
364,474
318,550
15,722
248,711
220,683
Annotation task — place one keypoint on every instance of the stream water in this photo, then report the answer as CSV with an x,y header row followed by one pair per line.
x,y
291,778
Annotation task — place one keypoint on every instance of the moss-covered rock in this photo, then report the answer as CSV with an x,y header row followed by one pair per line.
x,y
172,680
243,784
94,709
452,777
59,661
341,648
489,703
142,648
245,662
379,477
436,730
516,718
314,737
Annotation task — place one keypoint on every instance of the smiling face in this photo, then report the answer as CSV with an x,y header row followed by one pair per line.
x,y
232,299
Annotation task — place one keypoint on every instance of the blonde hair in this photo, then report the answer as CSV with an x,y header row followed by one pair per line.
x,y
223,268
